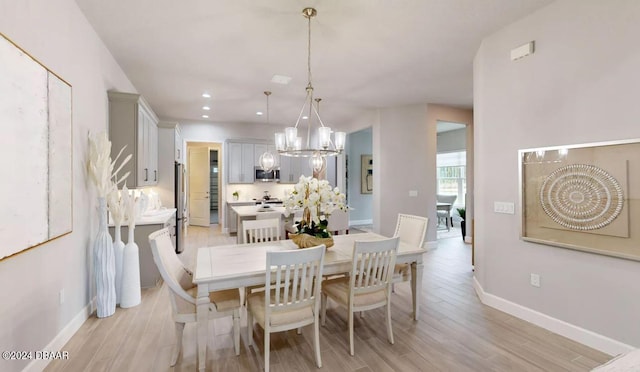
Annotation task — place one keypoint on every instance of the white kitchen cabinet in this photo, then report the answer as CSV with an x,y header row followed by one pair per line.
x,y
240,162
133,124
291,168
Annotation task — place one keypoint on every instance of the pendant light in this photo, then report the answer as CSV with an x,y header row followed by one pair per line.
x,y
288,143
267,160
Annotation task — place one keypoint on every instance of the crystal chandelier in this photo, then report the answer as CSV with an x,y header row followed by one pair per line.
x,y
289,144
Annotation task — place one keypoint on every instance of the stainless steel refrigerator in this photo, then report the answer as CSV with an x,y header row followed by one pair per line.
x,y
179,187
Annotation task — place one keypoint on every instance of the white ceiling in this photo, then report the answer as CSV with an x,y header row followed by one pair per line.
x,y
364,53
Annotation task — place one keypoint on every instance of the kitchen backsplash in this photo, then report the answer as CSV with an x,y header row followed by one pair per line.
x,y
256,191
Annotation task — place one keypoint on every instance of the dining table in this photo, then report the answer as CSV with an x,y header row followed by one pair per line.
x,y
241,265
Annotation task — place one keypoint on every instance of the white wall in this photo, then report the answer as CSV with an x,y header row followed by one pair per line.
x,y
580,86
404,158
359,143
56,33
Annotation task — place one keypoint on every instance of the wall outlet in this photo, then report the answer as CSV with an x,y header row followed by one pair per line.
x,y
535,280
61,296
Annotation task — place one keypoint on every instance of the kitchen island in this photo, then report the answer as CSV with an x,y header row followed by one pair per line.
x,y
249,212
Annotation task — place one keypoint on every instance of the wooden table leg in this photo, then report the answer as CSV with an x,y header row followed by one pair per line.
x,y
202,317
416,287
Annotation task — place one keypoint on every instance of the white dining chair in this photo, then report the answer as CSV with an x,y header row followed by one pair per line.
x,y
270,215
338,222
293,280
442,214
369,284
411,230
182,292
256,231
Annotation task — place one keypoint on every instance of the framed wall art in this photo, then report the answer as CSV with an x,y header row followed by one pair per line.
x,y
584,197
35,152
366,177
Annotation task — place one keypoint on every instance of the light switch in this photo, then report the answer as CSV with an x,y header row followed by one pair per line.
x,y
504,207
413,193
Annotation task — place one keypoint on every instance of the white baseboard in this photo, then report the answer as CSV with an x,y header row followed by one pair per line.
x,y
430,245
360,222
573,332
58,342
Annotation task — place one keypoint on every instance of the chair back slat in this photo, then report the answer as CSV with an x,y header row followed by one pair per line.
x,y
373,263
256,231
294,278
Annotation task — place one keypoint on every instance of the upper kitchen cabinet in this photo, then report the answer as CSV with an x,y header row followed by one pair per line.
x,y
241,162
133,124
170,142
291,168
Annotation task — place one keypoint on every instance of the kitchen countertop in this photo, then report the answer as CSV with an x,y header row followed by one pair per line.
x,y
241,202
253,210
158,217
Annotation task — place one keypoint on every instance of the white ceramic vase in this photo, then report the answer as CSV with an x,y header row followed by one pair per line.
x,y
118,249
104,265
131,294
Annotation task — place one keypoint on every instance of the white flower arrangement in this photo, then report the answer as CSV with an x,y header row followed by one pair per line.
x,y
131,210
100,167
318,200
104,177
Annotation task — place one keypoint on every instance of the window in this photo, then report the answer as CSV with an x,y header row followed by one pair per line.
x,y
451,170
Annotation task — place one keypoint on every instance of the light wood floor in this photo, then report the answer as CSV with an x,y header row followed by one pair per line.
x,y
455,332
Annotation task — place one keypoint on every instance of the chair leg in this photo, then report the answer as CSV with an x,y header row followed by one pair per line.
x,y
351,332
323,310
236,331
249,327
267,336
389,330
316,340
178,348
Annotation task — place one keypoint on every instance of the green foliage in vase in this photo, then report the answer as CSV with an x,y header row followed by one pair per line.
x,y
318,230
462,212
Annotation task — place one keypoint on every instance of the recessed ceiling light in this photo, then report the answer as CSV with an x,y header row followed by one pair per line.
x,y
205,116
207,108
206,95
281,79
305,117
259,113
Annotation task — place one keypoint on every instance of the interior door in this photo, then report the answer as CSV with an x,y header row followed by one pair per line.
x,y
199,186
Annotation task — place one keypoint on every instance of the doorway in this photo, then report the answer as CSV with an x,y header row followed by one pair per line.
x,y
204,186
214,181
451,177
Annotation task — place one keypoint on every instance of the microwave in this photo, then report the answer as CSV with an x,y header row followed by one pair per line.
x,y
270,176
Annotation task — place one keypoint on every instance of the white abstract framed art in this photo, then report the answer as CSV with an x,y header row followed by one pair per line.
x,y
584,197
36,152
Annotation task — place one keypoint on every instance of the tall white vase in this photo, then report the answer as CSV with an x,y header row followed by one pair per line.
x,y
104,265
131,294
118,249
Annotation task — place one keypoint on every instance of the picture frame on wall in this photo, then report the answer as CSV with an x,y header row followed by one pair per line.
x,y
584,197
366,176
36,116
